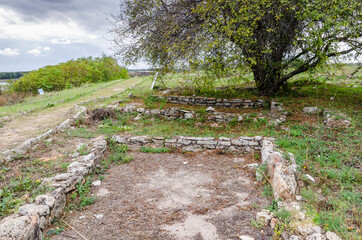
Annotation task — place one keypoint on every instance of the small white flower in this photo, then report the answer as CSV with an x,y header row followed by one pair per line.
x,y
332,98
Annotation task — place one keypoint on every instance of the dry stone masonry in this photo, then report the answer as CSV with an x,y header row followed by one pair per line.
x,y
32,219
192,144
217,102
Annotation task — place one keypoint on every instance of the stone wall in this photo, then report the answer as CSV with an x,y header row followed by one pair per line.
x,y
33,218
193,143
177,113
217,102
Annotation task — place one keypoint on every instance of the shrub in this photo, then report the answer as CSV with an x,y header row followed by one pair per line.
x,y
73,73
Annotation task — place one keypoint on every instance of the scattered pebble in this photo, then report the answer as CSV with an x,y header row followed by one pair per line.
x,y
81,217
309,177
96,183
251,165
185,163
99,216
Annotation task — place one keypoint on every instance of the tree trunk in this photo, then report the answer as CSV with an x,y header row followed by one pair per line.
x,y
266,79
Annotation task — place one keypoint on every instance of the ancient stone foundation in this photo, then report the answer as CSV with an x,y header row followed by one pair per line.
x,y
217,102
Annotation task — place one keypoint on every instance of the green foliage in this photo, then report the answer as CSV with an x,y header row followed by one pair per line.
x,y
155,150
81,197
11,75
275,39
73,73
154,102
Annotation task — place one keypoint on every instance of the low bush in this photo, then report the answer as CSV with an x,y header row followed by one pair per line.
x,y
73,73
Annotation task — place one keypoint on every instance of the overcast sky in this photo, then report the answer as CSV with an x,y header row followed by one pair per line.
x,y
35,33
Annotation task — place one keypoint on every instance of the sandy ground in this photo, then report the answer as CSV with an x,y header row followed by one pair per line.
x,y
173,196
17,131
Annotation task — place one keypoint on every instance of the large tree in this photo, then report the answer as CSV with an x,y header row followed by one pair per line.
x,y
276,39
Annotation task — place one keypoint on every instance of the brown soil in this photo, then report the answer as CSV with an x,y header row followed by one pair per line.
x,y
173,196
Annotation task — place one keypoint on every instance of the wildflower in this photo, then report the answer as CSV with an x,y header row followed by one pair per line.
x,y
332,98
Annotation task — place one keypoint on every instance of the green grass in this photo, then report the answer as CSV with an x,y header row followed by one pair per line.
x,y
40,101
155,150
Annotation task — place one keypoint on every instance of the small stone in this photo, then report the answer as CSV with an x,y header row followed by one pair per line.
x,y
273,223
81,217
185,163
244,237
99,216
309,177
299,198
188,116
332,236
96,183
251,165
139,116
210,109
311,110
264,216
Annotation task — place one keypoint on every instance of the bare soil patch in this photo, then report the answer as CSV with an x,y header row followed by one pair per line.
x,y
207,195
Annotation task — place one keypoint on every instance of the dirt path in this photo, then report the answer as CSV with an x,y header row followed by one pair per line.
x,y
172,196
22,128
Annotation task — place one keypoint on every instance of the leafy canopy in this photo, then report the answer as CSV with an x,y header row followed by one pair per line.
x,y
276,39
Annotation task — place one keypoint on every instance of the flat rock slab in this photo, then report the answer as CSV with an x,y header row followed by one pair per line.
x,y
158,196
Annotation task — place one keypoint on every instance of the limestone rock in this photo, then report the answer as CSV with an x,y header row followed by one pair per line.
x,y
32,209
96,183
309,178
332,236
282,177
264,216
45,200
23,227
210,109
311,110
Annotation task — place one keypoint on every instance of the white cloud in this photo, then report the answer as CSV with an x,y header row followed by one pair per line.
x,y
36,51
9,52
64,29
46,48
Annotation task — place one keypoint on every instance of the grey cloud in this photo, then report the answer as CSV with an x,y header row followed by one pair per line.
x,y
90,14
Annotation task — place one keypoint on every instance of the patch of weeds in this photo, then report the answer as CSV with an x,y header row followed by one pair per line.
x,y
267,191
201,114
109,127
81,197
257,224
234,122
118,154
81,132
155,150
154,102
64,166
83,150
